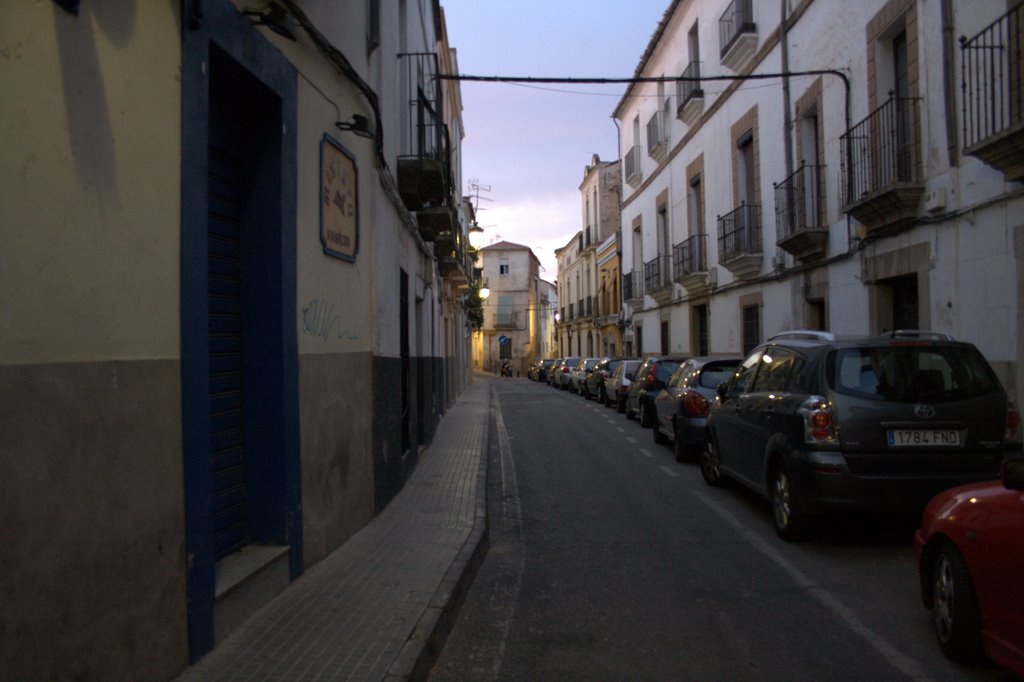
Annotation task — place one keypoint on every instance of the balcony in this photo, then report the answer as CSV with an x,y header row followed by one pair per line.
x,y
690,264
800,213
632,289
435,220
658,279
739,241
882,168
633,174
992,74
424,173
657,142
690,95
737,34
590,306
506,320
451,257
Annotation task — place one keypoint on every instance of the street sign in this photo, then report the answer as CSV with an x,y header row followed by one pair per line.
x,y
503,339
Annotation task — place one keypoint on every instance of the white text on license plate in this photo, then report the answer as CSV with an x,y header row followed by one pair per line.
x,y
915,437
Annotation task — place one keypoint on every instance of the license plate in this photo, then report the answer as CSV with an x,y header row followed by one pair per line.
x,y
899,438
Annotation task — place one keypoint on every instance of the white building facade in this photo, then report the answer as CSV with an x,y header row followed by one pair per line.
x,y
513,311
583,264
853,180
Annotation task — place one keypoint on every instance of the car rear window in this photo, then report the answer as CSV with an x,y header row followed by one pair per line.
x,y
715,373
912,373
664,370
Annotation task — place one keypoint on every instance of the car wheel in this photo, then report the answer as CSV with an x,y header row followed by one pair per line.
x,y
955,612
710,469
790,523
682,452
645,414
659,437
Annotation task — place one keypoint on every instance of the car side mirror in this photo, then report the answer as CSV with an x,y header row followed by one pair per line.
x,y
1013,474
722,389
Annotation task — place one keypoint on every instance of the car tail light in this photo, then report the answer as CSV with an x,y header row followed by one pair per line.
x,y
819,424
649,380
695,404
1012,423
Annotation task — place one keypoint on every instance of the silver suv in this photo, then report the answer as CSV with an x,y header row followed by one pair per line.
x,y
818,424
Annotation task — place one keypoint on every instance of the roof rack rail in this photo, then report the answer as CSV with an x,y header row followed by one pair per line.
x,y
804,334
918,334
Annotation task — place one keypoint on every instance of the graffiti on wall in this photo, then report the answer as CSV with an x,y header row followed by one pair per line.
x,y
319,320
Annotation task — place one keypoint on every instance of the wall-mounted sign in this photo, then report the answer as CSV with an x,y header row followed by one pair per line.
x,y
339,201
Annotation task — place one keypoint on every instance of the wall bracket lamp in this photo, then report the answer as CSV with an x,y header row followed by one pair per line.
x,y
274,17
357,124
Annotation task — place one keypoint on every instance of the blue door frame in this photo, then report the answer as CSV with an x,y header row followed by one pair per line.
x,y
220,38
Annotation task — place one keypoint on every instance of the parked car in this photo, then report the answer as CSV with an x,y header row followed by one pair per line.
x,y
652,376
596,379
816,424
578,377
617,384
565,373
970,557
681,408
555,372
543,368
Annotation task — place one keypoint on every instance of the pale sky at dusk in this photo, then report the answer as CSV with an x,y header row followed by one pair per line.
x,y
530,143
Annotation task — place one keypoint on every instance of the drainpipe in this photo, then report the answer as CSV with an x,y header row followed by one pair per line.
x,y
948,78
787,117
787,130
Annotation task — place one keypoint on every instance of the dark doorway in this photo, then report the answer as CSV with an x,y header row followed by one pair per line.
x,y
905,306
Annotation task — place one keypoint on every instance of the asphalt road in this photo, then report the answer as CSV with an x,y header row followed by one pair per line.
x,y
610,561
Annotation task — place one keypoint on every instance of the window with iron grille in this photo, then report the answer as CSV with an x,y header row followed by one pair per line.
x,y
751,327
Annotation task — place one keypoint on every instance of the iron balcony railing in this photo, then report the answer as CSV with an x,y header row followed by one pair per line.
x,y
881,150
655,133
992,74
632,285
689,89
799,204
656,273
426,135
506,319
739,232
690,256
737,20
633,163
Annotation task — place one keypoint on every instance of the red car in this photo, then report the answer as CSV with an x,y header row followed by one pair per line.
x,y
970,552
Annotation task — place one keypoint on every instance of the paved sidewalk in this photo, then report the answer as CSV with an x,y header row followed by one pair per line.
x,y
379,606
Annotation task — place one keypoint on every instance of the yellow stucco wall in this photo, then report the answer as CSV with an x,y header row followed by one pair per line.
x,y
90,181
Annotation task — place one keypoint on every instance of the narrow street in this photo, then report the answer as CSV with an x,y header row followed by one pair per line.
x,y
609,560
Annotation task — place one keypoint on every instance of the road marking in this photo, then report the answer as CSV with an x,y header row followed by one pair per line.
x,y
612,421
670,472
630,439
646,453
512,512
621,430
905,664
